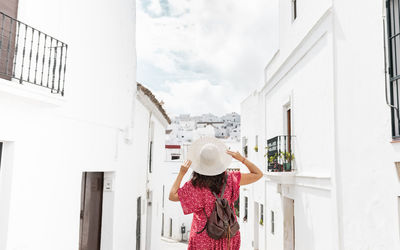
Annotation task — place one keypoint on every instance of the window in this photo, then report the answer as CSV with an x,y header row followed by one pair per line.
x,y
246,206
150,156
151,136
294,9
393,36
261,214
244,146
1,150
163,195
272,222
175,157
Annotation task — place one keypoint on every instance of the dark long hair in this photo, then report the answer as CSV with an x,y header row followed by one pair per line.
x,y
214,183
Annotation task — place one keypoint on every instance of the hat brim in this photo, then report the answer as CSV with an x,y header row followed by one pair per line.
x,y
202,168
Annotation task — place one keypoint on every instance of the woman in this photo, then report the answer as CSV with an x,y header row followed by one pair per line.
x,y
209,158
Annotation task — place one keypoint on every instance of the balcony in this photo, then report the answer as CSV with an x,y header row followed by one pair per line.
x,y
28,55
280,154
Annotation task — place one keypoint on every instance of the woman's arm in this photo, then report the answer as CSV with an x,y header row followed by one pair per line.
x,y
173,194
255,173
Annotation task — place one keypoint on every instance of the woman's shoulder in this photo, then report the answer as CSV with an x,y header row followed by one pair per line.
x,y
234,176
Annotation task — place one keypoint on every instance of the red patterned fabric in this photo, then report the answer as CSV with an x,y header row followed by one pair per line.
x,y
194,199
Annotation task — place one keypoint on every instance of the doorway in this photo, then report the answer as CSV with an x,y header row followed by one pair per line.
x,y
8,37
138,221
256,225
170,227
289,128
149,219
91,210
162,224
288,224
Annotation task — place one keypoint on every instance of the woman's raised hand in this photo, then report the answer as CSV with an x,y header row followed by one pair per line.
x,y
236,155
185,167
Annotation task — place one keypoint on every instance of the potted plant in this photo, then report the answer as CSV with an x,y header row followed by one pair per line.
x,y
271,161
288,158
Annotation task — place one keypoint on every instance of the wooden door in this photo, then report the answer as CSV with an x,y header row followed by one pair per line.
x,y
138,221
91,210
8,29
288,224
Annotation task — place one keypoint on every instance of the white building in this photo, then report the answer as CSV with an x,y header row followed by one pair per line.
x,y
325,89
151,121
74,144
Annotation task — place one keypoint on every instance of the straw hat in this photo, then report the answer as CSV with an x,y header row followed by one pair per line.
x,y
208,156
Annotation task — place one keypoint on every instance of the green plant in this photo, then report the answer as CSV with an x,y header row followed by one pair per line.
x,y
261,222
273,158
256,148
288,156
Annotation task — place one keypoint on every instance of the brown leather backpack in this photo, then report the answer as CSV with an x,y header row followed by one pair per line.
x,y
222,222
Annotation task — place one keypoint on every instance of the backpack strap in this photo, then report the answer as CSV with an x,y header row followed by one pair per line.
x,y
205,226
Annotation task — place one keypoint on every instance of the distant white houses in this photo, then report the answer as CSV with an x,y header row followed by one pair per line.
x,y
184,126
327,121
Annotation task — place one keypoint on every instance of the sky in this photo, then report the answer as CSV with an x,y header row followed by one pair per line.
x,y
204,56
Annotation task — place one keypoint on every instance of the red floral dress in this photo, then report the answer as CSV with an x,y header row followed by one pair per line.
x,y
194,199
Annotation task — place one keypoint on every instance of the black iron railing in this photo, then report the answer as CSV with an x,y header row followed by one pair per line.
x,y
393,36
31,56
280,153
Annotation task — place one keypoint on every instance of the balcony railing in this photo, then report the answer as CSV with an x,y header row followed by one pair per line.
x,y
31,56
280,154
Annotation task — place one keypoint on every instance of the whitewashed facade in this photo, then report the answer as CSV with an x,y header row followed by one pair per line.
x,y
150,124
344,190
49,140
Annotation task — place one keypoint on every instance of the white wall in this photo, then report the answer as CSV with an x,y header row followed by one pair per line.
x,y
84,131
252,125
365,157
345,186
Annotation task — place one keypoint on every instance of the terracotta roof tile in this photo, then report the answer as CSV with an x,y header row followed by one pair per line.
x,y
147,92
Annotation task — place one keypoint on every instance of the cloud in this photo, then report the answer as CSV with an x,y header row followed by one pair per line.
x,y
223,43
197,97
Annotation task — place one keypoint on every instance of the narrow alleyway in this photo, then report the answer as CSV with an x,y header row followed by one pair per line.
x,y
168,244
